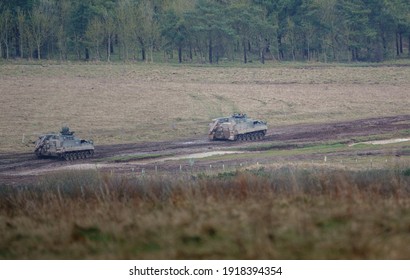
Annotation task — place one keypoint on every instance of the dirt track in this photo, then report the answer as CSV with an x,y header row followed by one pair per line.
x,y
17,168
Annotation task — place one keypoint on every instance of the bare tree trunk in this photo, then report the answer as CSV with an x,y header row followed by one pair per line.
x,y
38,51
21,47
179,54
245,57
210,50
280,50
87,54
262,49
97,48
143,54
142,48
108,48
408,47
31,50
20,24
7,50
401,43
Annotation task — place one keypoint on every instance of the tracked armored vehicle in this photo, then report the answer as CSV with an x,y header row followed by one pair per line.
x,y
63,145
237,127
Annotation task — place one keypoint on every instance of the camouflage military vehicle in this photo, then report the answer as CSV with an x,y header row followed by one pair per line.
x,y
237,127
63,145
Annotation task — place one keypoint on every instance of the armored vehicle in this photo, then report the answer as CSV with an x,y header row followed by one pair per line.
x,y
63,145
237,127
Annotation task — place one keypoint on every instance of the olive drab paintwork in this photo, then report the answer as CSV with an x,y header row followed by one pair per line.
x,y
237,127
63,145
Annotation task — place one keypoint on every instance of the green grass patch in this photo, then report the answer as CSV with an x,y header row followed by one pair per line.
x,y
385,136
271,146
128,158
274,149
269,150
278,146
404,132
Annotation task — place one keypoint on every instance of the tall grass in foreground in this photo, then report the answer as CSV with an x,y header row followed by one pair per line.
x,y
285,213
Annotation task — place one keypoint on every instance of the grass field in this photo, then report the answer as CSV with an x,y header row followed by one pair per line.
x,y
117,103
294,205
293,212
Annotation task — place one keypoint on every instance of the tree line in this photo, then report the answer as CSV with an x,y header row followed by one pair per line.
x,y
205,31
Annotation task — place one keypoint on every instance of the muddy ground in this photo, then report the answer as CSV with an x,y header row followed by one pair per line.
x,y
174,156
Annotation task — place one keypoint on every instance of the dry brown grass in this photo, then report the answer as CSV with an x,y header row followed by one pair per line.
x,y
114,103
285,213
277,212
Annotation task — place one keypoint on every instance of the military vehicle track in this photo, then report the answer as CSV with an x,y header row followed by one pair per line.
x,y
13,164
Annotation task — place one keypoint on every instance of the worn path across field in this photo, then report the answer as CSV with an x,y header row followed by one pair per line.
x,y
17,168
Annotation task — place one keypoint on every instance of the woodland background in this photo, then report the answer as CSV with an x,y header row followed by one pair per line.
x,y
205,31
